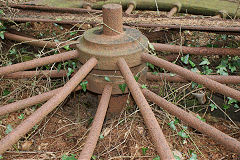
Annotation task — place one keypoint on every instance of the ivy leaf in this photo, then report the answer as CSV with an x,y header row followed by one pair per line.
x,y
136,77
67,47
155,73
6,92
122,87
9,129
156,158
185,59
70,71
13,51
236,106
195,70
202,119
176,120
59,67
232,67
204,62
206,70
183,134
144,86
177,157
150,45
226,106
1,11
172,125
191,63
231,100
21,116
73,33
84,85
222,70
94,157
101,136
107,79
213,106
72,157
144,150
2,34
193,156
150,65
58,19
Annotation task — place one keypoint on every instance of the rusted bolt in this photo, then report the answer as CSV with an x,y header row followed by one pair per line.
x,y
112,19
176,8
131,6
87,6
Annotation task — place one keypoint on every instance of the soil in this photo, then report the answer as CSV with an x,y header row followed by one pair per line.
x,y
124,135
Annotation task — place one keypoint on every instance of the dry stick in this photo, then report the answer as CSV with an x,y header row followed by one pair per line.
x,y
24,103
220,137
155,131
213,85
96,127
49,106
38,62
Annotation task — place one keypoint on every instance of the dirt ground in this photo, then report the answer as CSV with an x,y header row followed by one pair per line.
x,y
124,136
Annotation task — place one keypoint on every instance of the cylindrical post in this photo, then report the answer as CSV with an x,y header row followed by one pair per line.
x,y
36,42
87,5
24,103
112,19
177,78
156,133
31,74
213,85
195,50
131,7
38,62
96,127
40,113
220,137
172,11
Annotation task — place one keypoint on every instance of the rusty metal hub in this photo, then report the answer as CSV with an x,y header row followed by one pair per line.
x,y
108,43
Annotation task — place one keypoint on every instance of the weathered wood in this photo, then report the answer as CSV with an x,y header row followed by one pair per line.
x,y
203,7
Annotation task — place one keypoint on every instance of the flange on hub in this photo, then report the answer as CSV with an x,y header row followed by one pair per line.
x,y
107,44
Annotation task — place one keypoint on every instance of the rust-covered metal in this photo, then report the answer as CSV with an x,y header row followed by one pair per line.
x,y
131,6
36,42
24,103
97,79
187,27
177,78
211,84
38,62
112,19
196,50
31,74
104,47
220,137
96,127
108,43
54,9
156,133
45,109
172,11
87,5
